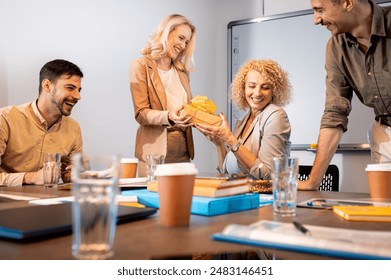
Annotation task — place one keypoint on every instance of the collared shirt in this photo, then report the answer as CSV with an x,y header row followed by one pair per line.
x,y
25,138
368,75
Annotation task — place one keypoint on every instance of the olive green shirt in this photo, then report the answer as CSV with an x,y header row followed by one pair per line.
x,y
24,138
368,75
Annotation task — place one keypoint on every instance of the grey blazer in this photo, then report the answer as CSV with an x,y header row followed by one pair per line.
x,y
267,137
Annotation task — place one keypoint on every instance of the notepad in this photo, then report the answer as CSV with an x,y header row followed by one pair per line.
x,y
364,213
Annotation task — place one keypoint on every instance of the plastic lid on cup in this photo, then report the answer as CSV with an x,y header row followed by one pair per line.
x,y
378,167
129,160
174,169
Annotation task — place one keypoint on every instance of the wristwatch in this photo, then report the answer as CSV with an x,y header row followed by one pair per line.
x,y
172,123
235,148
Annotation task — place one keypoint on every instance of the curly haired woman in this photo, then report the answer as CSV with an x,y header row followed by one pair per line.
x,y
262,87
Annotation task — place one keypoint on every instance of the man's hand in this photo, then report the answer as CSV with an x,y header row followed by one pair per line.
x,y
307,186
33,178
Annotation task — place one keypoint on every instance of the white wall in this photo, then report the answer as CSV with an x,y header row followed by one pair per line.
x,y
103,37
273,7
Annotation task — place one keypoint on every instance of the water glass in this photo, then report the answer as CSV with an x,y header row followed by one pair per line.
x,y
152,162
285,181
51,169
94,211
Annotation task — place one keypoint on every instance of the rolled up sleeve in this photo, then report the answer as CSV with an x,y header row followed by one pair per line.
x,y
339,93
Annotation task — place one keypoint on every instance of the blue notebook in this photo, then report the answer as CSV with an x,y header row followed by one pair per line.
x,y
206,206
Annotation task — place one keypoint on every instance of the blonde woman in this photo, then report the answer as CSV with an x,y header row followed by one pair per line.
x,y
261,87
159,84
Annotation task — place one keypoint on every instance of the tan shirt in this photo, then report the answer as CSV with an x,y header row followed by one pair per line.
x,y
350,70
24,138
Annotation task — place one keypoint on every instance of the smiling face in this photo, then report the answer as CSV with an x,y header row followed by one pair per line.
x,y
332,14
258,91
178,40
64,94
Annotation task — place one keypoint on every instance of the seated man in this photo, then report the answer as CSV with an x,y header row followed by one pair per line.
x,y
30,130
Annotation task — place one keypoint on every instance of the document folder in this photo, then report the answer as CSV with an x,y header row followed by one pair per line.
x,y
206,206
327,241
50,220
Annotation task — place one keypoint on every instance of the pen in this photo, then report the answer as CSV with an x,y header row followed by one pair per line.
x,y
301,228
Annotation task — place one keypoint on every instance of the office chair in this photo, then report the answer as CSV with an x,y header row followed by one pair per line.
x,y
330,181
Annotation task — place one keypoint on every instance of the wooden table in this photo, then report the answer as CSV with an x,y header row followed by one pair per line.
x,y
146,239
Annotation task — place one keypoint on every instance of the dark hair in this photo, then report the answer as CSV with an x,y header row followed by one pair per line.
x,y
54,69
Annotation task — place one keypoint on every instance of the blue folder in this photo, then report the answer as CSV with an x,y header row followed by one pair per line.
x,y
326,241
206,206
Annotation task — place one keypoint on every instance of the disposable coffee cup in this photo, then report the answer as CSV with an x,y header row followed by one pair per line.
x,y
175,188
129,167
379,180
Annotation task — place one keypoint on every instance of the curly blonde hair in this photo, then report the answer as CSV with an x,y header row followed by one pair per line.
x,y
273,73
156,46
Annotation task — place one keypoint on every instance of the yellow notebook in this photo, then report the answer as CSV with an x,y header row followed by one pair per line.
x,y
364,213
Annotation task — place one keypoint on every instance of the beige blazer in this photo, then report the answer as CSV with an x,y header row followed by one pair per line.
x,y
150,108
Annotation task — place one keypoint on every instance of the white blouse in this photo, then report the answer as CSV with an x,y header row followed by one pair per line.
x,y
175,93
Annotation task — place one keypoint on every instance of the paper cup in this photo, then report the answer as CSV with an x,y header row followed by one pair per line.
x,y
175,189
129,167
379,180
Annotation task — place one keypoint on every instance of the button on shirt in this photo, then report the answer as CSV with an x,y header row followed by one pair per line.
x,y
367,74
24,138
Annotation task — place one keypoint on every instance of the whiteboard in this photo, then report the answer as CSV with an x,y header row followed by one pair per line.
x,y
298,46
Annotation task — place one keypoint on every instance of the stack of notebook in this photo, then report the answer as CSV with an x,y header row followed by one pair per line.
x,y
214,186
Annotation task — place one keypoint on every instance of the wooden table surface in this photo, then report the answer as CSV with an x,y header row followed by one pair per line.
x,y
146,239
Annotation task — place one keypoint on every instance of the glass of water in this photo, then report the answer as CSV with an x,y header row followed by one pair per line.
x,y
94,210
285,182
152,162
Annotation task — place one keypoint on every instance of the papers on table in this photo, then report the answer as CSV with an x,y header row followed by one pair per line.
x,y
265,199
335,242
51,201
133,182
322,203
59,200
17,197
140,182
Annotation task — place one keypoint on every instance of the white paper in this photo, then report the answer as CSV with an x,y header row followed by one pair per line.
x,y
17,197
51,201
59,200
376,243
133,181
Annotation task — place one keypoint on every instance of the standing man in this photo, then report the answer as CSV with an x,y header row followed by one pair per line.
x,y
30,130
358,59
